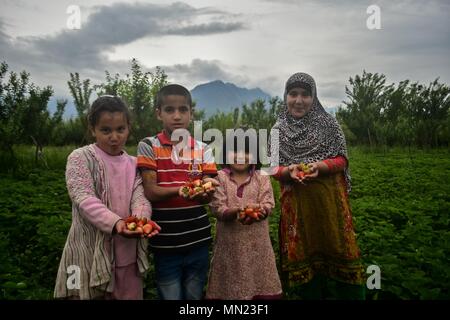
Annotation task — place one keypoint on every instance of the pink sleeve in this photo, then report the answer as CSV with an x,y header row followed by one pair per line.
x,y
140,206
266,198
80,186
218,204
336,164
98,214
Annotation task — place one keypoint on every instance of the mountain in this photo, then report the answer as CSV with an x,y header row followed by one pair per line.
x,y
217,95
332,110
211,96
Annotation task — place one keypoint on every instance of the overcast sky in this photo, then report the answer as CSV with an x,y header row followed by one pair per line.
x,y
252,43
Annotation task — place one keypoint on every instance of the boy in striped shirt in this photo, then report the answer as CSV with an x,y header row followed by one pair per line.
x,y
181,248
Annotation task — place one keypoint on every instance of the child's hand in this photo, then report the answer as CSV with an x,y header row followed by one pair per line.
x,y
254,205
156,229
209,185
214,182
251,216
202,197
247,220
263,213
121,228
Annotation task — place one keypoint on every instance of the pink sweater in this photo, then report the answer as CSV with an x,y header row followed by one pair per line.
x,y
121,171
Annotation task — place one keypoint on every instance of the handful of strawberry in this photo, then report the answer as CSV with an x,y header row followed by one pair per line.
x,y
196,187
142,225
250,214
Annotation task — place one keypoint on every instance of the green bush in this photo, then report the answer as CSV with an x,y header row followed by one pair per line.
x,y
400,201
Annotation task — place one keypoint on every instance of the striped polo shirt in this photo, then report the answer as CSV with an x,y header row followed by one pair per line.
x,y
184,223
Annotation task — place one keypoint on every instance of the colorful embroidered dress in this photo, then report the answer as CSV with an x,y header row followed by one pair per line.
x,y
316,232
316,229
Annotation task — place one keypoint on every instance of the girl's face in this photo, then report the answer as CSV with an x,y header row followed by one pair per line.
x,y
299,102
241,162
111,132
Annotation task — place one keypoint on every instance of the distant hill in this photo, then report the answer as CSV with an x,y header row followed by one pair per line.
x,y
211,96
217,95
332,110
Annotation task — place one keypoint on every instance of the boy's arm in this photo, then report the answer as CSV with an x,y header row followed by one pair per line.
x,y
152,191
146,162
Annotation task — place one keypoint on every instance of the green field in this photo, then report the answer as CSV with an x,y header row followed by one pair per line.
x,y
400,200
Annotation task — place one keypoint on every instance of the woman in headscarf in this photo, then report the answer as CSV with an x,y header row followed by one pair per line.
x,y
318,249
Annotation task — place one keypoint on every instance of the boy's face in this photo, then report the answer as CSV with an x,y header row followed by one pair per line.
x,y
175,113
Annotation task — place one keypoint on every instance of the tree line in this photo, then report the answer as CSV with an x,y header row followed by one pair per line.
x,y
374,112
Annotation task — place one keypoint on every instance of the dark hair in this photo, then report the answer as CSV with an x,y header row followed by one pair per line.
x,y
238,147
109,104
299,84
172,89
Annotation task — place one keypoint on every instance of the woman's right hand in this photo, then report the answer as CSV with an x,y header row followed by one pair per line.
x,y
293,173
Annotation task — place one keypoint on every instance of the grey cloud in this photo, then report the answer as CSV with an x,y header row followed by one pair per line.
x,y
204,29
118,24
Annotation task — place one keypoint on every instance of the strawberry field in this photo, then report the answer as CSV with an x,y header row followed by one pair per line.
x,y
400,200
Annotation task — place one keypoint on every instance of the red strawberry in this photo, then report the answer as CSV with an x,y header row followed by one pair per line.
x,y
198,190
131,226
301,174
253,214
130,219
147,228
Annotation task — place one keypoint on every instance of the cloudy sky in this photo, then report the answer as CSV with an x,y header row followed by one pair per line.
x,y
252,43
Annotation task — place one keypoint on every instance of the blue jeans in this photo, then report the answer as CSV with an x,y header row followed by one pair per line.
x,y
182,276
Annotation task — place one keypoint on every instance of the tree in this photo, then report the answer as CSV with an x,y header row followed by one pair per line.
x,y
138,90
35,118
81,92
367,99
433,111
406,114
12,101
258,116
24,116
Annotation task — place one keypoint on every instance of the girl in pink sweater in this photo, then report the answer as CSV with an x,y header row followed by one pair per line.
x,y
101,257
